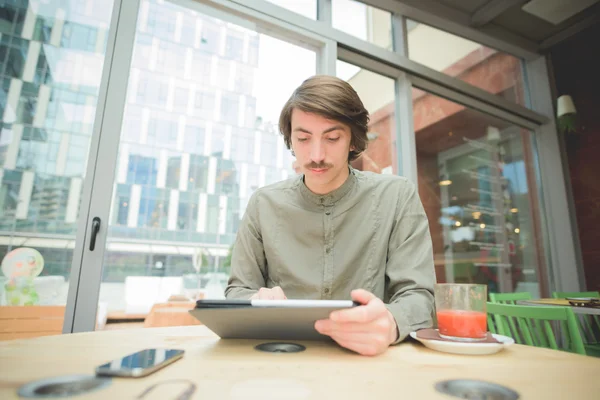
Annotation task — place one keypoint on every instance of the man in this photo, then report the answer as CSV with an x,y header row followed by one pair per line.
x,y
334,229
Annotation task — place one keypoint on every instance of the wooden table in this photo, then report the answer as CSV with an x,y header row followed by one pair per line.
x,y
232,369
560,302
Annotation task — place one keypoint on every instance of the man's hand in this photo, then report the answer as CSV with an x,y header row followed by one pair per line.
x,y
275,293
368,329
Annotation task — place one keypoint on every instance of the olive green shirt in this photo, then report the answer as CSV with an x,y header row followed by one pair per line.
x,y
370,233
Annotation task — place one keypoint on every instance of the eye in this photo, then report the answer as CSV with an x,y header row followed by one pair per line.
x,y
333,139
302,139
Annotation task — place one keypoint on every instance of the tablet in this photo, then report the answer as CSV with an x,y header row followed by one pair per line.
x,y
267,319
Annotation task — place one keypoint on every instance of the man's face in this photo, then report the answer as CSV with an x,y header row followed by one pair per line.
x,y
321,147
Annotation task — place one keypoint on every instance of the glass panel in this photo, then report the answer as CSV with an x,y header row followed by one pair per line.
x,y
377,94
363,21
488,69
199,136
308,8
51,59
477,184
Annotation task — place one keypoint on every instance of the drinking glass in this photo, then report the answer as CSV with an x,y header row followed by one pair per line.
x,y
461,311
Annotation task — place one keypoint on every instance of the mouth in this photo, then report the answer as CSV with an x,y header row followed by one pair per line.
x,y
318,170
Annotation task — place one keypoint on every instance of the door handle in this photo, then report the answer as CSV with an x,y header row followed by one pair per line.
x,y
95,229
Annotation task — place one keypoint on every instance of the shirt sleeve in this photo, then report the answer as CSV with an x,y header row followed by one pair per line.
x,y
410,270
248,261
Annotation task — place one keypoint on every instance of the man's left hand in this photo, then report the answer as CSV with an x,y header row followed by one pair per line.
x,y
368,329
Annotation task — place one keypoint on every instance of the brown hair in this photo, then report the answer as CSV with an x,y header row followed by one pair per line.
x,y
332,98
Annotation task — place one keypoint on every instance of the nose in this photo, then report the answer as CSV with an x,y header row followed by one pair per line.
x,y
317,151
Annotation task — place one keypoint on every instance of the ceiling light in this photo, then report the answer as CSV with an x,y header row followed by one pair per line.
x,y
556,11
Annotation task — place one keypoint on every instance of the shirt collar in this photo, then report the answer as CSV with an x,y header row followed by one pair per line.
x,y
330,198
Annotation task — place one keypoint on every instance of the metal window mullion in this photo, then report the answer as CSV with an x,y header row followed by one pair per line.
x,y
83,296
326,58
406,144
324,11
86,193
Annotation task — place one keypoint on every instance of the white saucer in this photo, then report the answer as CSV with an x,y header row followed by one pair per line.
x,y
467,348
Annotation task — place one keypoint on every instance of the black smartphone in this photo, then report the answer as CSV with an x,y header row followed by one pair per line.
x,y
141,363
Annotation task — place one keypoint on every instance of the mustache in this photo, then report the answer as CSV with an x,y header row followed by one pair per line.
x,y
314,165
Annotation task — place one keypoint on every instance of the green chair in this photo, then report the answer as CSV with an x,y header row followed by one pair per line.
x,y
589,325
506,298
509,298
531,325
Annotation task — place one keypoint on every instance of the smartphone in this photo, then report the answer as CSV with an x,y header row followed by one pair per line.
x,y
141,363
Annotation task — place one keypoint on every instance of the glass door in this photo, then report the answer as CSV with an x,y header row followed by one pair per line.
x,y
51,60
477,181
199,134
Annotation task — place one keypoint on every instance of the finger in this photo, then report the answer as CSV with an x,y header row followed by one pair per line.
x,y
357,337
264,294
278,293
362,296
365,313
328,327
360,314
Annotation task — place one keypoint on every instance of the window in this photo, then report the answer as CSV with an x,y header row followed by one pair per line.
x,y
491,70
242,145
54,86
230,103
142,168
217,140
13,51
187,212
12,19
244,79
197,153
209,41
162,132
154,206
227,176
364,22
123,210
307,8
173,170
79,37
161,21
268,149
212,225
477,182
180,99
201,67
204,104
198,176
377,94
234,47
194,139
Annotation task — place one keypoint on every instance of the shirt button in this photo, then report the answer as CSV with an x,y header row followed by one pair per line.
x,y
322,200
327,213
327,250
326,290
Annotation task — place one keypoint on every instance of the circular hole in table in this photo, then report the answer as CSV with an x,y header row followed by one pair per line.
x,y
63,386
476,390
280,347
